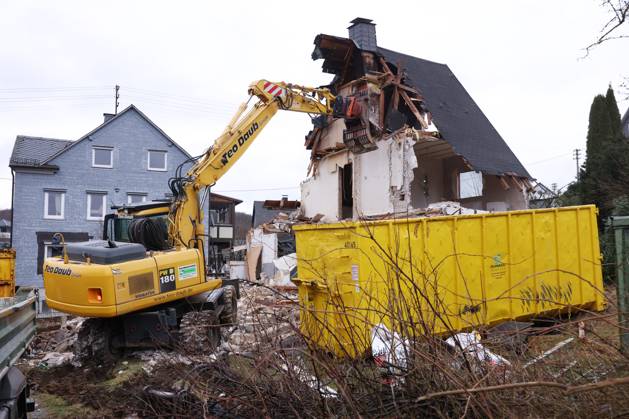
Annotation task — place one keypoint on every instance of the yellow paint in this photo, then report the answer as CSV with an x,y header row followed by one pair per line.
x,y
135,285
444,274
7,273
70,286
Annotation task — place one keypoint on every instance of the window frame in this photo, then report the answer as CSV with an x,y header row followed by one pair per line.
x,y
49,246
89,194
148,164
481,193
47,216
111,157
142,194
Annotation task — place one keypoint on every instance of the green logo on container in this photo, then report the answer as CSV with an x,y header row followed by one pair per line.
x,y
497,261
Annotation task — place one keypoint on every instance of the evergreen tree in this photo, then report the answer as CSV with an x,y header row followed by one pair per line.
x,y
599,138
612,109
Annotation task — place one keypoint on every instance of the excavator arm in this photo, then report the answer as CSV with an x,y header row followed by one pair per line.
x,y
186,215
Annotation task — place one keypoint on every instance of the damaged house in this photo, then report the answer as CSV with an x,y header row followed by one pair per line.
x,y
415,137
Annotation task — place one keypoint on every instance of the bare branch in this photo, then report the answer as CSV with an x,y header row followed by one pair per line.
x,y
619,10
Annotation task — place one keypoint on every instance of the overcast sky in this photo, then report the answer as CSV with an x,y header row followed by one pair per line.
x,y
187,66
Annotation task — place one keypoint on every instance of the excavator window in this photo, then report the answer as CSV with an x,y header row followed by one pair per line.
x,y
117,228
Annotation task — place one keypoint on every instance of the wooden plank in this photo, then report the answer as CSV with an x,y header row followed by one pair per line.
x,y
413,109
504,183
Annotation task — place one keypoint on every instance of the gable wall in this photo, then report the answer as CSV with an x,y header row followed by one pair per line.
x,y
131,137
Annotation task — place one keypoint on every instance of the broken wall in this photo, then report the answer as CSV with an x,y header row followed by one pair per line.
x,y
386,139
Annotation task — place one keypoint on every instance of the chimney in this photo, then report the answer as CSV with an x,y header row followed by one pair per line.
x,y
108,116
363,33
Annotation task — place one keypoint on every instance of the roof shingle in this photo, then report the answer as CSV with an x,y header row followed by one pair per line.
x,y
458,118
34,151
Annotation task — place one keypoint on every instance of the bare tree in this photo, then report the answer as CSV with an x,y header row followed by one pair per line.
x,y
618,11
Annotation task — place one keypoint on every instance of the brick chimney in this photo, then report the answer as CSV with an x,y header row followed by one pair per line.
x,y
363,32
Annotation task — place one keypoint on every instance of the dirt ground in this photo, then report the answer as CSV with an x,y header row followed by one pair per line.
x,y
66,387
157,383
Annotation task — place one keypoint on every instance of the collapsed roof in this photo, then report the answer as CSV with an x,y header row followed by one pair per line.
x,y
459,120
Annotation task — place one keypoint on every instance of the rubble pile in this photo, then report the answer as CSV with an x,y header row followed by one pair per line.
x,y
53,345
266,318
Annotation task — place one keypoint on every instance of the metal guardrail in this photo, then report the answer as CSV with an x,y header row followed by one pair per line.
x,y
17,326
621,238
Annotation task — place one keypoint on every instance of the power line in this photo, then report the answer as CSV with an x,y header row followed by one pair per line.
x,y
258,189
549,159
51,89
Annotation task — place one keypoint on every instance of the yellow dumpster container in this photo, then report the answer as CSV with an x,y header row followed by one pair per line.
x,y
444,274
7,273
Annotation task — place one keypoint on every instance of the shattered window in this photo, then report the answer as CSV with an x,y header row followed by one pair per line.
x,y
470,184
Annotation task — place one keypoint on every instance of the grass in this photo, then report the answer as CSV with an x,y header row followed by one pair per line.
x,y
123,373
57,407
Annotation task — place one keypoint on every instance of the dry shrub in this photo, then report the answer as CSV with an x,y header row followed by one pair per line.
x,y
286,374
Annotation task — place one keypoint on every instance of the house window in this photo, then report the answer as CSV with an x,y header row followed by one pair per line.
x,y
157,160
102,157
96,202
54,203
470,184
52,250
136,198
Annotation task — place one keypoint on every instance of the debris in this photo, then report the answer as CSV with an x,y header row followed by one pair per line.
x,y
388,348
56,359
310,380
548,352
450,208
286,268
470,344
581,330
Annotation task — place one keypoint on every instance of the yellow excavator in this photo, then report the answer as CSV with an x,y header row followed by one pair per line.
x,y
148,276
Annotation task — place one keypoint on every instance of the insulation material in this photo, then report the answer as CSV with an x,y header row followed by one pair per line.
x,y
403,162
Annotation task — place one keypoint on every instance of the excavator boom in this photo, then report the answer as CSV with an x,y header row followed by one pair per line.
x,y
142,285
186,225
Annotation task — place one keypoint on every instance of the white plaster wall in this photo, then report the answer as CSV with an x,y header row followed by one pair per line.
x,y
372,178
320,193
382,181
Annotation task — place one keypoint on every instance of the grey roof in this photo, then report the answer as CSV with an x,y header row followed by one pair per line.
x,y
34,151
459,119
4,222
262,215
109,121
39,151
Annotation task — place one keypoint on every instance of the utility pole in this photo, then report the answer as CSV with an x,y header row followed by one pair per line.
x,y
576,155
116,100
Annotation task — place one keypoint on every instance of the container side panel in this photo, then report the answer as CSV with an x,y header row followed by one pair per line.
x,y
570,284
497,260
522,265
442,275
469,262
